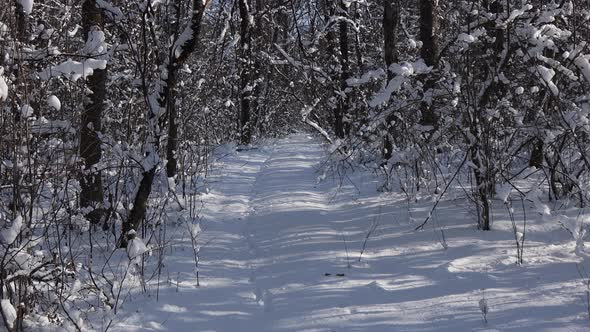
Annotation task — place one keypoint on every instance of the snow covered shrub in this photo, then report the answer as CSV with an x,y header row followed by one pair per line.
x,y
509,90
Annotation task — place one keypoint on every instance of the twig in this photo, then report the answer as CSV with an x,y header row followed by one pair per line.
x,y
421,226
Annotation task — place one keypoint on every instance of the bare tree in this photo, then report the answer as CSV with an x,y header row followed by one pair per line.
x,y
183,47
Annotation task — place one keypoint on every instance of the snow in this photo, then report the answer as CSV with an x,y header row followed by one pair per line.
x,y
503,192
185,36
9,312
26,111
27,6
366,78
74,70
95,44
464,37
402,71
518,12
3,86
135,247
54,102
114,12
547,75
74,31
582,62
9,234
279,251
3,30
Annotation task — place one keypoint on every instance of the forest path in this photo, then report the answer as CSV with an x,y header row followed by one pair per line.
x,y
265,233
282,252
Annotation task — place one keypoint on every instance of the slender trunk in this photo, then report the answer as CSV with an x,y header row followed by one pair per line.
x,y
170,95
390,27
139,209
482,155
177,56
341,126
91,195
429,30
170,104
245,72
258,76
537,154
330,12
483,192
22,23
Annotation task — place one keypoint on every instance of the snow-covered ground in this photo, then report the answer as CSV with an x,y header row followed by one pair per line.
x,y
281,253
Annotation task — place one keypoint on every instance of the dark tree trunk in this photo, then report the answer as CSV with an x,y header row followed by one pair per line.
x,y
22,21
331,48
537,154
139,209
429,30
341,126
260,73
170,95
482,187
390,27
168,101
91,195
245,72
480,153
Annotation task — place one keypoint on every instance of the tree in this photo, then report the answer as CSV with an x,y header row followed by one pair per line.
x,y
180,50
429,36
246,70
91,194
390,27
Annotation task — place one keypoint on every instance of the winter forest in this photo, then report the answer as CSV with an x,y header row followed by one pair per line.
x,y
294,165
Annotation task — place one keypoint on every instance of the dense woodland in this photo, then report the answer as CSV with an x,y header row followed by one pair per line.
x,y
110,110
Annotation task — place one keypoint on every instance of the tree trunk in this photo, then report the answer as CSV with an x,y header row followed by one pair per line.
x,y
91,195
168,100
429,30
245,72
22,21
390,26
170,95
176,58
341,127
481,155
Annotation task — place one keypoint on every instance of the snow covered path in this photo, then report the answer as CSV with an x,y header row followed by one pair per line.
x,y
282,251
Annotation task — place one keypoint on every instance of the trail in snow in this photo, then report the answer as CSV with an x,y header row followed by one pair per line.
x,y
279,245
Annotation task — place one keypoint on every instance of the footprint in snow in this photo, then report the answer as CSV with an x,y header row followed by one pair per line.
x,y
264,299
258,296
375,288
267,301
